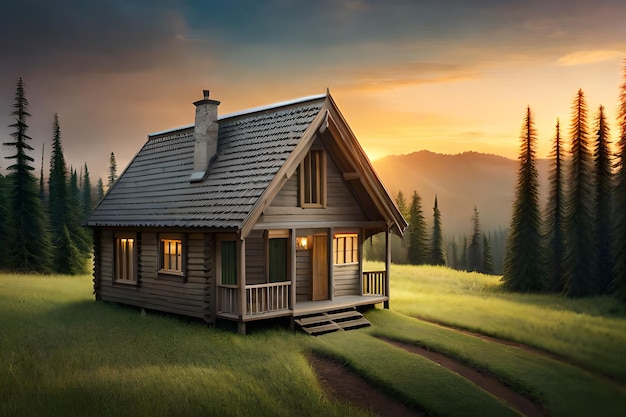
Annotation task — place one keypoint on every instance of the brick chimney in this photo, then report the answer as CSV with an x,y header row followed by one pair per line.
x,y
205,134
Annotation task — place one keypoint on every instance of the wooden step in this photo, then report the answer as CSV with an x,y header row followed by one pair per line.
x,y
331,321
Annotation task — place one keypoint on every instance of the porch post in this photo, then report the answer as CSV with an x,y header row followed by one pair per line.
x,y
387,265
292,269
329,258
241,282
360,254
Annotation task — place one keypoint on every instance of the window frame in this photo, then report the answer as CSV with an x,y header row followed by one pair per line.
x,y
277,234
132,269
218,260
165,272
340,240
318,188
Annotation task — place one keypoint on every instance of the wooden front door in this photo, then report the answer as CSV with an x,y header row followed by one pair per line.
x,y
320,268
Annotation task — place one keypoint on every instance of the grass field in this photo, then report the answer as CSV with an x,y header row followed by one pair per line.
x,y
590,332
63,354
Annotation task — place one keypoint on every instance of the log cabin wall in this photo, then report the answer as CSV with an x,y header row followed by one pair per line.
x,y
189,295
346,279
304,272
255,258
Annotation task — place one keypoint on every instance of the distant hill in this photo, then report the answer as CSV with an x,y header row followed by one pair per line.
x,y
460,182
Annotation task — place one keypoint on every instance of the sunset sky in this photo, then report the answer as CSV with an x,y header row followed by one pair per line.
x,y
448,76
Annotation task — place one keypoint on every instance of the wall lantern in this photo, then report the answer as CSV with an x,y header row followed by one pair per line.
x,y
302,242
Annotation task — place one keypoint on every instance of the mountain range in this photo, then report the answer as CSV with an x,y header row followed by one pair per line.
x,y
460,182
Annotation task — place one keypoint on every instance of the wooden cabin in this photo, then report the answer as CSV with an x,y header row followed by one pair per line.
x,y
252,215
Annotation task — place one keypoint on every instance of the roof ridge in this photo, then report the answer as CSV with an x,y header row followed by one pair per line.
x,y
271,106
265,107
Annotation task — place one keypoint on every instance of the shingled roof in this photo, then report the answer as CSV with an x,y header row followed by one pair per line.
x,y
155,190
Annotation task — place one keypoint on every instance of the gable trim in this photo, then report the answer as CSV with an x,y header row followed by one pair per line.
x,y
285,172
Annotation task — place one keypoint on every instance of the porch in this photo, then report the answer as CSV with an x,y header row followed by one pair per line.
x,y
277,299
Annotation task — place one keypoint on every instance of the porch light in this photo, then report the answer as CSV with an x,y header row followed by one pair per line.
x,y
302,242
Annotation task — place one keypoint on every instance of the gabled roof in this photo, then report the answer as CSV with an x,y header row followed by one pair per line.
x,y
253,146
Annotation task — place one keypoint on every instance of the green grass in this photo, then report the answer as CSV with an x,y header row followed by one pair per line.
x,y
411,378
63,354
563,389
590,332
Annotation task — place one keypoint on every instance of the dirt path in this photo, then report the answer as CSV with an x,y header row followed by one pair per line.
x,y
526,348
341,384
488,383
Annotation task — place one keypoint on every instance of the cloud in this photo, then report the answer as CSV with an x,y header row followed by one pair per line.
x,y
589,57
386,77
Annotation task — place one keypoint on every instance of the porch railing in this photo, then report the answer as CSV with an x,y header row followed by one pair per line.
x,y
374,282
261,298
266,298
227,299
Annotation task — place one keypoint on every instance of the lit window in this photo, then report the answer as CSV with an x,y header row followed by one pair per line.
x,y
125,260
346,248
312,176
171,256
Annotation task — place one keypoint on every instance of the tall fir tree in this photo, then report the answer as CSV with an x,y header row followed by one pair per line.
x,y
402,207
30,248
42,188
580,249
417,252
437,256
554,218
99,192
86,198
474,250
4,223
112,170
619,214
60,208
487,266
603,208
80,235
523,264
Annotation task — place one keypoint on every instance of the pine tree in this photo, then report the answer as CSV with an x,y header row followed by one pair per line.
x,y
402,207
4,214
112,170
474,250
42,188
453,254
61,209
487,267
554,218
417,247
80,235
86,198
437,256
619,214
29,248
99,192
579,260
523,265
603,209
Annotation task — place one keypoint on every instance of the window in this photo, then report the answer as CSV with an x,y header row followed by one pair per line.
x,y
228,262
312,177
346,247
277,263
125,259
277,255
171,254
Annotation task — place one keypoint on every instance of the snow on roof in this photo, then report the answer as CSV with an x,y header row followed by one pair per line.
x,y
248,111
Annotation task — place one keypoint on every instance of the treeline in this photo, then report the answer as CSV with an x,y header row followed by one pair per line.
x,y
577,245
426,245
41,223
